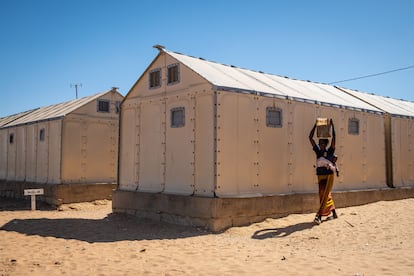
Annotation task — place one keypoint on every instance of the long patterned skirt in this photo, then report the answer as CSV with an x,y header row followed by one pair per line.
x,y
325,197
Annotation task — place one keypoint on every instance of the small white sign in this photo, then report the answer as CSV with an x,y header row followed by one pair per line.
x,y
33,192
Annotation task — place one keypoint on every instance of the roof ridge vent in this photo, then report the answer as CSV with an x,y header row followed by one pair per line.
x,y
159,47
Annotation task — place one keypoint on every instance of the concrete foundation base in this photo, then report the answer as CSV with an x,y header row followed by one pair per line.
x,y
217,214
57,194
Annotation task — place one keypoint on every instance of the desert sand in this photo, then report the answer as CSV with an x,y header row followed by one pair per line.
x,y
87,239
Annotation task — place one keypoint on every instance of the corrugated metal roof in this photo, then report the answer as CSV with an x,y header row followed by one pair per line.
x,y
233,78
52,111
389,105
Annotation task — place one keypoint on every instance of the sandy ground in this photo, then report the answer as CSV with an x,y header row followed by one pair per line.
x,y
86,239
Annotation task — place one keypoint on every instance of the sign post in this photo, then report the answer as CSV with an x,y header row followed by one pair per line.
x,y
33,193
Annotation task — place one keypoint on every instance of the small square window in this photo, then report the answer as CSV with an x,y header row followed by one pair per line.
x,y
273,117
353,126
177,117
103,105
11,138
155,78
42,134
173,74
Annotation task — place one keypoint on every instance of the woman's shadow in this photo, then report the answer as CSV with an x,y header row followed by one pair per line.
x,y
281,232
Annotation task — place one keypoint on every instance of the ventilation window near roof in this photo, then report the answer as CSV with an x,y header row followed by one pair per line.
x,y
11,138
273,117
353,126
103,106
155,78
42,134
173,74
177,117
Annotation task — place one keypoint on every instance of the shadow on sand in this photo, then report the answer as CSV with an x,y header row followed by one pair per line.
x,y
114,227
13,204
281,232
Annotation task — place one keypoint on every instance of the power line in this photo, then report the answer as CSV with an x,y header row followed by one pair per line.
x,y
373,75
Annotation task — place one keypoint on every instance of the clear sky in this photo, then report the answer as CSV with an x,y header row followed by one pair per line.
x,y
47,45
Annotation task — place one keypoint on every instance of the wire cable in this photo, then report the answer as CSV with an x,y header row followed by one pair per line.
x,y
373,75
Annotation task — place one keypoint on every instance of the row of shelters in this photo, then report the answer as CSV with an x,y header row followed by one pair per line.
x,y
202,143
215,145
70,149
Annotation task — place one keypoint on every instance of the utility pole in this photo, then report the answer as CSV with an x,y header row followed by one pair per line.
x,y
76,85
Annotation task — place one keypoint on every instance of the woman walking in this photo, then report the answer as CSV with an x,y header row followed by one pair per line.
x,y
325,168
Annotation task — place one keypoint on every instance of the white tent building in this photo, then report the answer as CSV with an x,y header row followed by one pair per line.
x,y
216,145
69,149
399,136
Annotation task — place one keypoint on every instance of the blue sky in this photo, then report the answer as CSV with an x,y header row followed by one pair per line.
x,y
46,45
